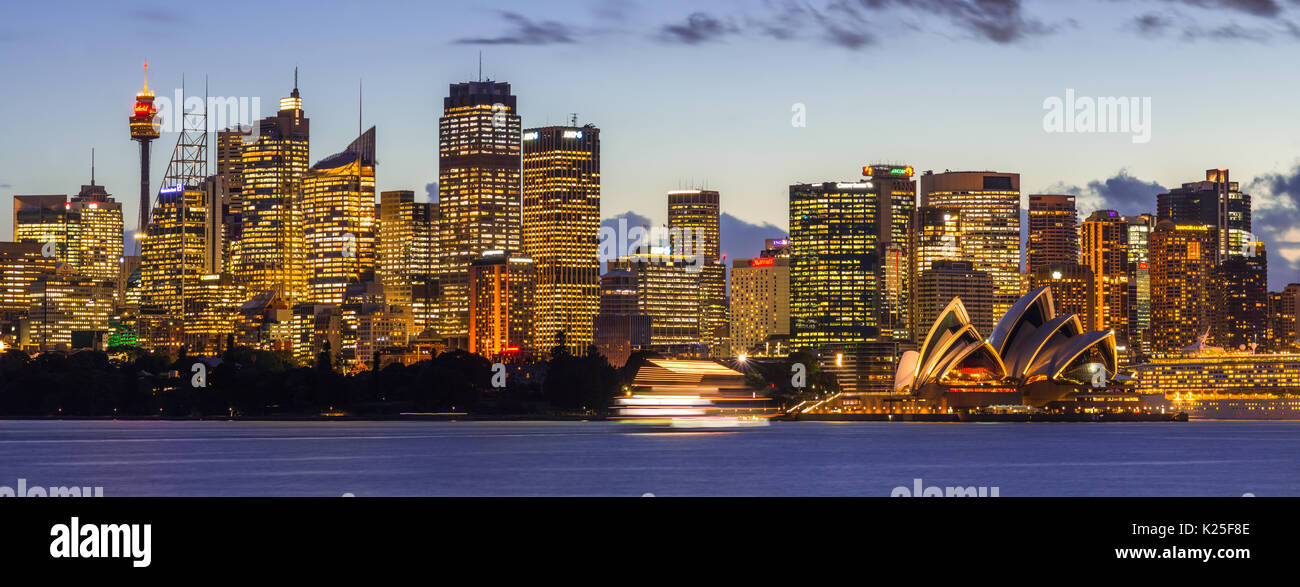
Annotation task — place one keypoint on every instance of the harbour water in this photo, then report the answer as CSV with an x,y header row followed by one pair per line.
x,y
217,458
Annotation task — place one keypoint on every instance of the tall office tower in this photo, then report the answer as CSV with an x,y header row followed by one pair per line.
x,y
990,224
269,255
478,192
173,259
938,236
1240,288
45,220
230,157
897,206
1282,318
502,309
338,208
1105,251
700,211
1053,230
1139,283
69,312
835,265
694,217
1216,202
561,228
1074,289
668,291
760,299
1182,260
620,328
407,230
99,237
944,280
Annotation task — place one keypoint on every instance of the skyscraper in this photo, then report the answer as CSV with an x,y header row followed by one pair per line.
x,y
478,191
1105,252
1053,231
1216,202
837,264
99,238
897,201
1182,261
561,227
173,256
1240,290
270,255
698,211
339,221
407,230
1139,283
990,224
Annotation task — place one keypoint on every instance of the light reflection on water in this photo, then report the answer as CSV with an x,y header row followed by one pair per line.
x,y
604,458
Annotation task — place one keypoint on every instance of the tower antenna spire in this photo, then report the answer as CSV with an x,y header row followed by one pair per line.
x,y
480,66
92,166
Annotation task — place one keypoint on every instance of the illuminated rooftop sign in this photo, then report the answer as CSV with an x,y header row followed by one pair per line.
x,y
762,262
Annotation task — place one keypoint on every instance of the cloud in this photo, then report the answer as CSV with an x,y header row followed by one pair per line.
x,y
1122,192
1268,8
700,27
742,240
1228,32
633,219
1152,24
155,15
431,191
1275,214
526,32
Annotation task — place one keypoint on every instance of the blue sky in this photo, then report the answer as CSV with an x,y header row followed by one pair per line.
x,y
691,93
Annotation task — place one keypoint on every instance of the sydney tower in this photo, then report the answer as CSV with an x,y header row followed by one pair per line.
x,y
144,128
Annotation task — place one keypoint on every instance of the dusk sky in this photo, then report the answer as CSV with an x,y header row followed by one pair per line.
x,y
694,94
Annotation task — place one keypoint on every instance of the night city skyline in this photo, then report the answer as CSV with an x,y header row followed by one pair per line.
x,y
738,119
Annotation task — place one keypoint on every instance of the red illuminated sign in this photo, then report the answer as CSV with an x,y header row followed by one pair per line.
x,y
767,262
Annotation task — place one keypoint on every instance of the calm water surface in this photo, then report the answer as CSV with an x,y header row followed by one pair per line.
x,y
602,458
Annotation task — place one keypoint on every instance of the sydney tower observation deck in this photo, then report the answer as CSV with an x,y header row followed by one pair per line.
x,y
144,128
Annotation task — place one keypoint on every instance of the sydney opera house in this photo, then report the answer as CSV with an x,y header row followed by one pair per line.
x,y
1033,357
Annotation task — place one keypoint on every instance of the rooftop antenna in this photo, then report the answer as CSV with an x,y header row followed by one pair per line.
x,y
92,166
574,118
480,66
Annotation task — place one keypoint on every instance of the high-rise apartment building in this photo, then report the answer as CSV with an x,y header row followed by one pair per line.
x,y
1240,288
1105,252
1182,263
944,280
